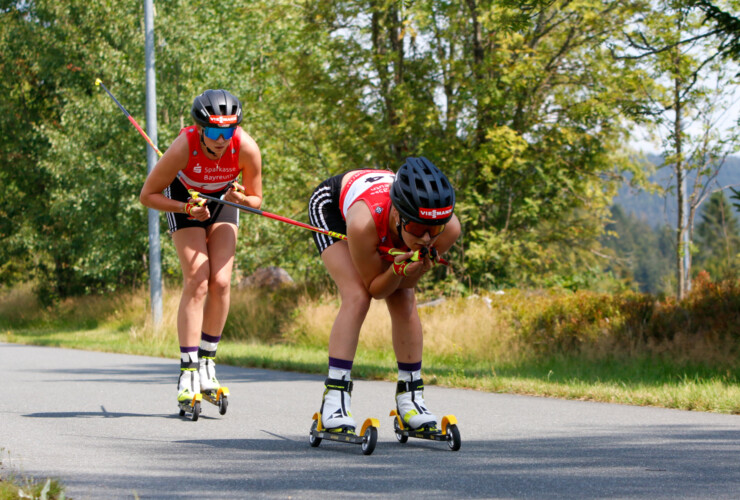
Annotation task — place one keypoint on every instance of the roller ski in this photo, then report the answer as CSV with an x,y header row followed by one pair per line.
x,y
188,396
210,388
191,403
195,386
335,412
412,419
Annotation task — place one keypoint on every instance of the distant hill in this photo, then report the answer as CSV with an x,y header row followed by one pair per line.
x,y
658,210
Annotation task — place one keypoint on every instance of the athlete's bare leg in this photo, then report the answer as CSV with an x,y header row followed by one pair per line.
x,y
221,248
190,243
345,331
405,325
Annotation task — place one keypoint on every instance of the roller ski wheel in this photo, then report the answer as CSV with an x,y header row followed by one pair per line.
x,y
313,437
367,438
400,436
219,398
448,433
191,407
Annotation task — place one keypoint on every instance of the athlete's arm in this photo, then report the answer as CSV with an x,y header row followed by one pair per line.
x,y
162,175
362,237
248,193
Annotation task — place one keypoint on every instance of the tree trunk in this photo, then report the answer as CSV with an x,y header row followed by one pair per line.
x,y
682,247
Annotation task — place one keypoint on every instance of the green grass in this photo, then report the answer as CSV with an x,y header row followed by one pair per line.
x,y
13,486
575,346
643,382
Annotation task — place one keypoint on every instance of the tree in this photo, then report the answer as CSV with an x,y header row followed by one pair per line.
x,y
679,51
31,101
77,162
718,239
727,25
642,255
517,101
736,196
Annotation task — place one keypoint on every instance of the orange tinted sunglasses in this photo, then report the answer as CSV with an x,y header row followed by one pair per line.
x,y
419,230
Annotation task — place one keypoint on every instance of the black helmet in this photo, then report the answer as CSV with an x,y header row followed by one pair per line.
x,y
217,108
422,193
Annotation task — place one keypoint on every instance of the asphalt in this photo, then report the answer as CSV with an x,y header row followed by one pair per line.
x,y
107,426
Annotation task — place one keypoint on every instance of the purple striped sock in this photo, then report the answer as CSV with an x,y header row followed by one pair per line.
x,y
409,367
209,338
342,364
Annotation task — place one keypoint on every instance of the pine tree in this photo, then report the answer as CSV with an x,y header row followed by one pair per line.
x,y
643,254
718,239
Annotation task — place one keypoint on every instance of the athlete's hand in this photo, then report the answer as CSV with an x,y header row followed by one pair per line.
x,y
235,194
197,210
412,264
431,253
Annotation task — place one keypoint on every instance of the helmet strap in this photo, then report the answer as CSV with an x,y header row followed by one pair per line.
x,y
203,143
399,227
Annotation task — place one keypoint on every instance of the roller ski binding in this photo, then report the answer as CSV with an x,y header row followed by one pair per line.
x,y
336,396
412,419
210,388
189,396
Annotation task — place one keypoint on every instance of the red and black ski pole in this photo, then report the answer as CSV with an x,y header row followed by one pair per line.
x,y
130,118
419,254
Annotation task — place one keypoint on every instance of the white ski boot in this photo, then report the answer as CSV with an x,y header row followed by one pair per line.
x,y
335,407
411,407
188,385
207,372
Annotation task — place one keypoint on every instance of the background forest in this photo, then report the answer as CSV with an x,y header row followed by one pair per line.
x,y
527,105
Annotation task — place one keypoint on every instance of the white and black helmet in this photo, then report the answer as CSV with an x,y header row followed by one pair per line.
x,y
217,108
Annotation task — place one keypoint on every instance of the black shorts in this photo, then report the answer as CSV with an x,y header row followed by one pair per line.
x,y
219,212
324,212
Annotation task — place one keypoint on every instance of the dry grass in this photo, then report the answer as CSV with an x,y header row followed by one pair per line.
x,y
454,329
474,328
623,348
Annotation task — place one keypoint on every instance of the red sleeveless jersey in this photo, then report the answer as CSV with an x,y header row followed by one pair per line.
x,y
206,175
373,187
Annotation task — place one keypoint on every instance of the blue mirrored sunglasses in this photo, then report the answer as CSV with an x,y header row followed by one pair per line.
x,y
214,133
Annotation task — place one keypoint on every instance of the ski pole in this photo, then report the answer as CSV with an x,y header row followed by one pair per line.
x,y
418,254
195,195
130,118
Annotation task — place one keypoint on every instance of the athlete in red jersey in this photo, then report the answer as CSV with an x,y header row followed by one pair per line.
x,y
411,210
208,157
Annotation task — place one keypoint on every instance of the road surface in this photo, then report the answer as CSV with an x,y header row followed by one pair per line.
x,y
107,426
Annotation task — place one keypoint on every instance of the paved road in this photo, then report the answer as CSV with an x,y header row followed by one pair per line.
x,y
107,426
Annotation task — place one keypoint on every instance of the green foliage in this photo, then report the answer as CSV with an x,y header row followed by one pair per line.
x,y
720,13
697,333
79,199
735,196
520,104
